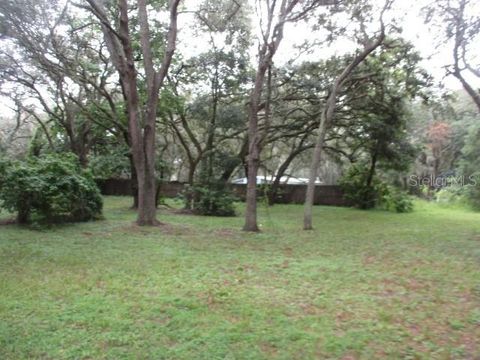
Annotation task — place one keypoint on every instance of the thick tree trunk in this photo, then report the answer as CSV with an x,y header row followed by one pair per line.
x,y
253,159
192,168
23,216
141,123
265,56
251,197
134,182
82,158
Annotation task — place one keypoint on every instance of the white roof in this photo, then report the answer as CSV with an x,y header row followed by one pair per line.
x,y
283,180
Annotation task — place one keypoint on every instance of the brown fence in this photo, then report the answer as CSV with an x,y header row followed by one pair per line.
x,y
287,194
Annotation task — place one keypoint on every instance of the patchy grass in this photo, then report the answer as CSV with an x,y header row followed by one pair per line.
x,y
362,285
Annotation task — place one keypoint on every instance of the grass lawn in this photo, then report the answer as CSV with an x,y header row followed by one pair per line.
x,y
366,285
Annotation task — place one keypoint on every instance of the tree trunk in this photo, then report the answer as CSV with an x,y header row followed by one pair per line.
x,y
317,153
371,171
141,123
251,197
326,119
228,171
265,56
253,159
252,165
468,88
134,182
23,216
281,171
458,49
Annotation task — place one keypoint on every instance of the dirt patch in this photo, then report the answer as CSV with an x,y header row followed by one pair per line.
x,y
367,260
171,229
268,349
226,233
475,237
288,251
163,228
10,221
183,212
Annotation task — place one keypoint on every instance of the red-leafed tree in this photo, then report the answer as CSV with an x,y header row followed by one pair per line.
x,y
438,139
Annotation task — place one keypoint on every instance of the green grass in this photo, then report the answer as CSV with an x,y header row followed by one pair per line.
x,y
362,285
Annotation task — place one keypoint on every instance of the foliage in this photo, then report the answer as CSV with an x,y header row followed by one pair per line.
x,y
210,199
49,189
379,119
356,190
467,194
392,199
473,191
451,195
470,160
113,164
377,194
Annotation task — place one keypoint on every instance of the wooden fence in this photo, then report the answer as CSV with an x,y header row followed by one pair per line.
x,y
287,194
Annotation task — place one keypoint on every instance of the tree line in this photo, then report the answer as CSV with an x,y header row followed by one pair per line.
x,y
114,83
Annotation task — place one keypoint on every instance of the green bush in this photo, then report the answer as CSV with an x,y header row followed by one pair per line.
x,y
212,200
395,200
114,164
356,190
451,195
472,192
378,194
49,189
467,195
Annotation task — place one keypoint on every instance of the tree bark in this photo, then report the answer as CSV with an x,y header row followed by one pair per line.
x,y
267,50
142,137
134,182
23,216
468,88
459,47
253,159
317,153
326,119
371,172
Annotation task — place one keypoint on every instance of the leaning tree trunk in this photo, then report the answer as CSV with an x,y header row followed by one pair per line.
x,y
474,94
326,119
317,153
281,171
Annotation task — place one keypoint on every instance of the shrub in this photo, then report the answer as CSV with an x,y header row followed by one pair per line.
x,y
378,194
395,200
462,195
451,195
49,189
356,190
473,192
114,164
212,199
